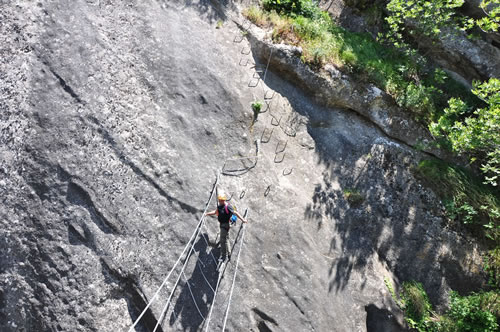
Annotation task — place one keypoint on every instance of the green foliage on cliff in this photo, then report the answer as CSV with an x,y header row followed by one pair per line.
x,y
423,18
305,8
468,201
419,18
491,22
353,196
475,132
475,312
428,93
416,306
465,197
417,89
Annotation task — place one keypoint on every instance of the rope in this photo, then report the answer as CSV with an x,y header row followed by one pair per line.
x,y
158,322
178,260
208,283
219,279
192,296
268,60
234,278
212,305
201,263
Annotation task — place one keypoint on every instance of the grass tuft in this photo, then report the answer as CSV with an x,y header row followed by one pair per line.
x,y
464,195
413,87
353,196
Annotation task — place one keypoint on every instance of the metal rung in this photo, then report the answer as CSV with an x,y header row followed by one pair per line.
x,y
269,94
262,140
258,70
244,51
278,150
238,38
244,62
275,122
253,82
268,189
239,165
287,171
290,131
268,106
278,160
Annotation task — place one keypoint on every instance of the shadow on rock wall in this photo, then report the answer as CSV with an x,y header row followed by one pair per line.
x,y
389,214
381,320
211,10
196,295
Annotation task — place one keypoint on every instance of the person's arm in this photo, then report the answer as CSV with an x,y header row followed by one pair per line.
x,y
211,213
241,218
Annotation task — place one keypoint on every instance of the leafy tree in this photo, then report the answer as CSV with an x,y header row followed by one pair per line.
x,y
306,8
491,21
426,17
476,133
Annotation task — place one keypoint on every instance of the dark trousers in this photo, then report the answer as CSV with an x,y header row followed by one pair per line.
x,y
224,240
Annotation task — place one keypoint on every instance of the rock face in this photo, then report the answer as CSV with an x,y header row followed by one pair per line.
x,y
333,88
117,116
471,59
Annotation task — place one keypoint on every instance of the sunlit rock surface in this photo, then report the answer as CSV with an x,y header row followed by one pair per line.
x,y
116,118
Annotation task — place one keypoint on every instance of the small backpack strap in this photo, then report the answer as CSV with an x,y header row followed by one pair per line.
x,y
225,208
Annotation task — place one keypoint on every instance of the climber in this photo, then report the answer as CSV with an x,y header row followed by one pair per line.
x,y
224,213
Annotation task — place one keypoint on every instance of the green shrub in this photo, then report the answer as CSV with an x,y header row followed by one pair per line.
x,y
353,196
477,132
416,305
306,8
476,312
492,267
256,15
469,315
256,106
464,196
492,21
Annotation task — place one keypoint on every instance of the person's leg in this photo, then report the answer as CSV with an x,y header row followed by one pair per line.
x,y
224,241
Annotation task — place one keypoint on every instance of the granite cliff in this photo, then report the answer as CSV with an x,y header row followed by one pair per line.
x,y
118,118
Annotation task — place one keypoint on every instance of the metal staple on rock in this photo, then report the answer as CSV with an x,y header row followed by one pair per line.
x,y
178,260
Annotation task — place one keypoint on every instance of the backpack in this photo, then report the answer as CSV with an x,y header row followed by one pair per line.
x,y
233,218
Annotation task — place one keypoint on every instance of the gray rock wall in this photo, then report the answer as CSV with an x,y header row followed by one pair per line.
x,y
115,119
